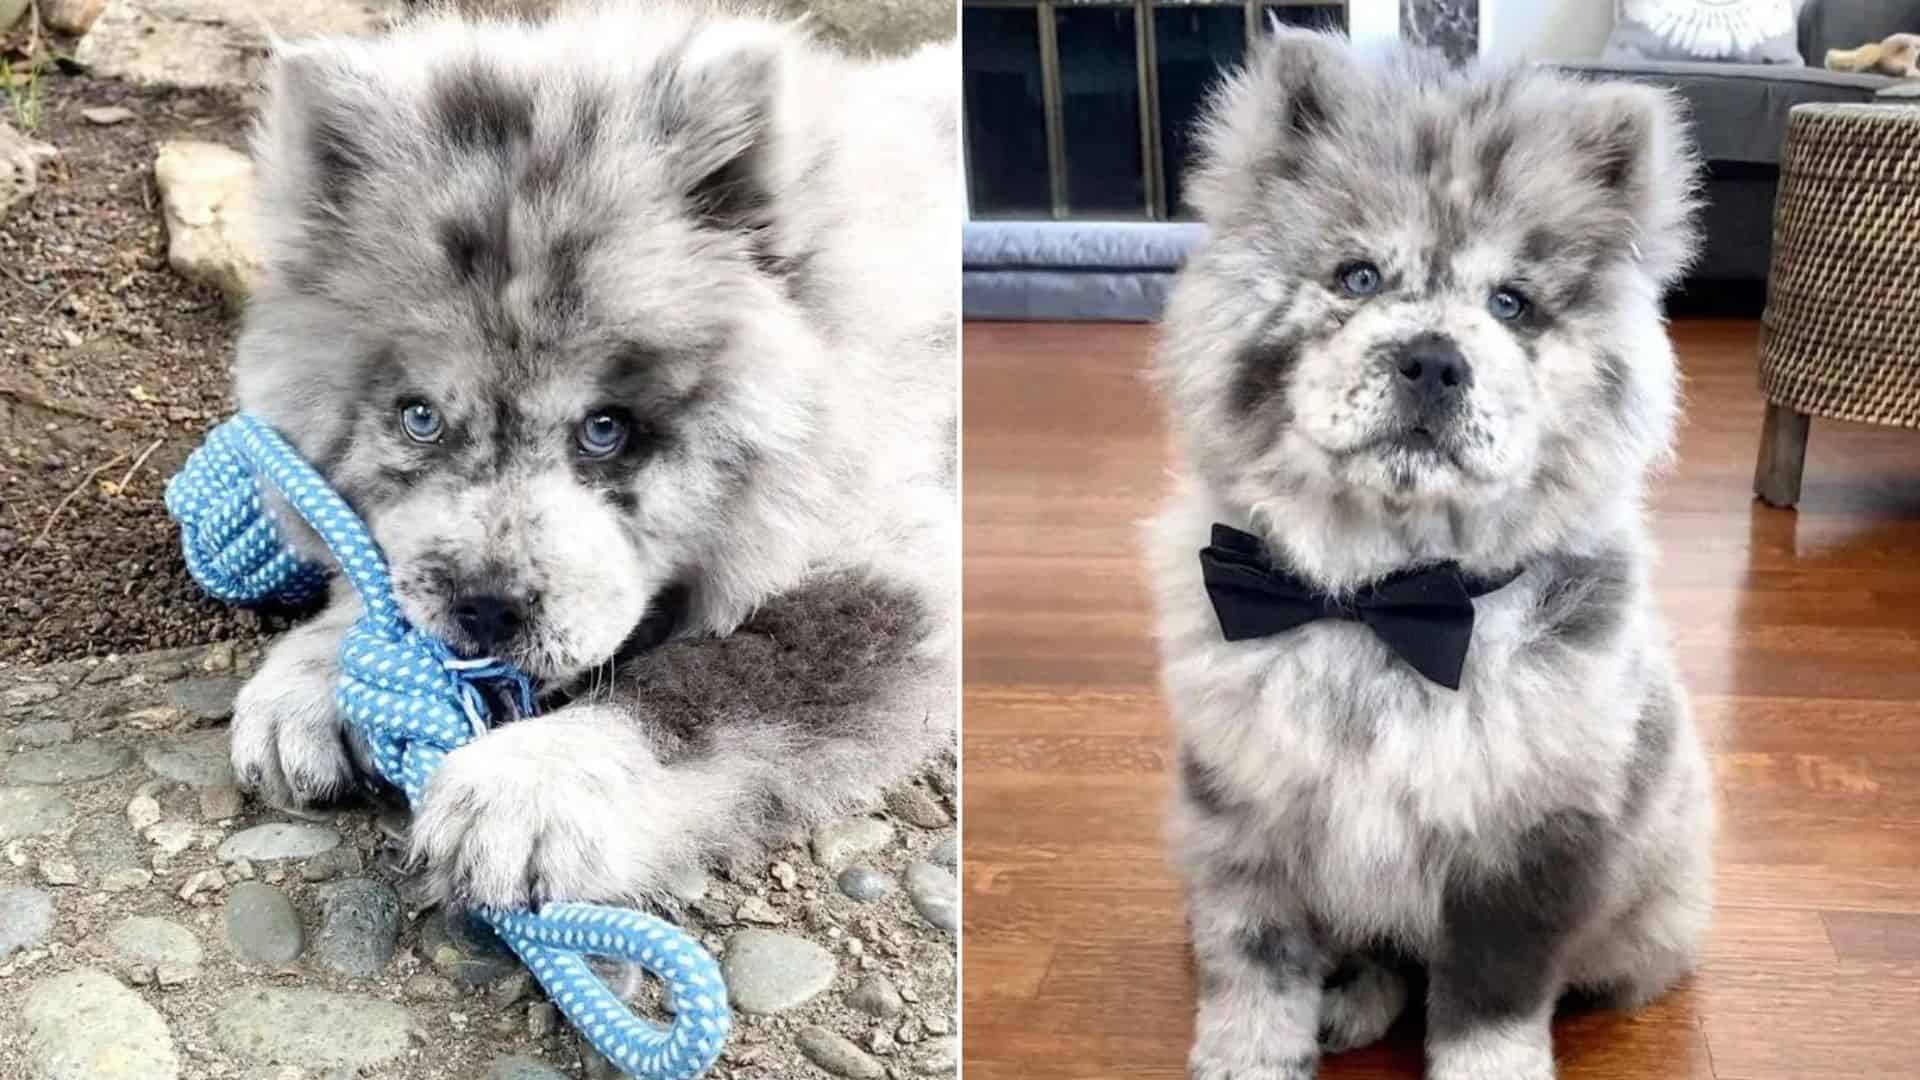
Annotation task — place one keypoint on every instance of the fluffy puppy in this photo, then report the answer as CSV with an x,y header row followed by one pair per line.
x,y
631,337
1426,327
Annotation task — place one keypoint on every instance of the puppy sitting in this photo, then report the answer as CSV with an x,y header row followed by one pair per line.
x,y
1420,364
630,335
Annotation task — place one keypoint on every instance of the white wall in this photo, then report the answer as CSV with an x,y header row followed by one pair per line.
x,y
1544,29
1375,20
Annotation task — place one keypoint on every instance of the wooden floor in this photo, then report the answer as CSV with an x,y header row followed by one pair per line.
x,y
1798,633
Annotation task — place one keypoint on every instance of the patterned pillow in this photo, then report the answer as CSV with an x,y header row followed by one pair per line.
x,y
1735,31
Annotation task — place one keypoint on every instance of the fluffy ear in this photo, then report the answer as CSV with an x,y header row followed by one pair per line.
x,y
1632,141
1258,121
315,142
713,109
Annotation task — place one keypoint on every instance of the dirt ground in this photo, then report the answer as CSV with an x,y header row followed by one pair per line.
x,y
111,368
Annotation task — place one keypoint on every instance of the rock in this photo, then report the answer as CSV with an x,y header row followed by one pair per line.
x,y
172,837
837,1055
768,972
359,926
522,1068
947,852
44,733
25,917
218,659
33,693
32,812
262,925
211,43
914,806
863,883
84,1025
328,865
74,17
876,996
466,950
505,993
147,950
426,986
59,872
143,811
838,841
279,840
220,802
756,910
935,895
784,875
208,698
936,1057
201,881
10,12
543,1018
200,759
107,115
938,1025
312,1027
126,879
69,764
207,197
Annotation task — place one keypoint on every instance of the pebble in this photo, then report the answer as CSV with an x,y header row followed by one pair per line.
x,y
32,812
876,996
218,659
45,733
784,875
200,760
220,802
69,764
359,927
837,1055
936,1057
279,840
946,852
149,950
769,972
172,837
505,993
205,697
864,883
142,811
59,872
935,895
522,1068
262,925
313,1027
543,1018
84,1025
754,909
200,881
426,986
107,115
126,879
939,1025
838,841
913,805
25,917
328,865
466,950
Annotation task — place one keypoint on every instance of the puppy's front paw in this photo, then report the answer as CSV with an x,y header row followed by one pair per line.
x,y
1206,1066
289,744
1361,1007
510,822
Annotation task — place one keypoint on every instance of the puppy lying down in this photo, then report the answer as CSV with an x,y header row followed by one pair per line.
x,y
630,335
1421,362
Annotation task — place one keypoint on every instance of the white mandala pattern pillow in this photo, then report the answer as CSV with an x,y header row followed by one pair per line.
x,y
1736,31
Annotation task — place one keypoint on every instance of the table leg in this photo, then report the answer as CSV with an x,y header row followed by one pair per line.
x,y
1783,453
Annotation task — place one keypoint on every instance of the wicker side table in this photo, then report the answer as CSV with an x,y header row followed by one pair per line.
x,y
1841,334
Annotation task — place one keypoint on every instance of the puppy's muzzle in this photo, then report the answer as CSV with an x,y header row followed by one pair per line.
x,y
1434,378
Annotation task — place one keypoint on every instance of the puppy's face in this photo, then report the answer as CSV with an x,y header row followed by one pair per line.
x,y
1424,287
533,328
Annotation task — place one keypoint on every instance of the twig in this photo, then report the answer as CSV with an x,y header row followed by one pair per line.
x,y
137,462
75,493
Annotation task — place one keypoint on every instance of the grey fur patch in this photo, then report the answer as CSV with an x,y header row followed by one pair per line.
x,y
1201,787
1583,599
1286,954
1655,728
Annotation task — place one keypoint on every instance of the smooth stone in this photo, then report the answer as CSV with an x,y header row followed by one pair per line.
x,y
201,759
279,840
313,1027
936,1057
914,806
328,865
838,841
143,811
522,1068
769,972
946,852
25,917
69,764
45,733
84,1025
172,837
105,844
755,909
107,115
262,925
148,949
864,883
935,895
876,996
220,802
71,16
205,697
32,812
126,879
212,43
838,1055
359,926
426,986
466,950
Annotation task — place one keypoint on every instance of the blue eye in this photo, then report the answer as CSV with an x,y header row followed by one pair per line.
x,y
421,422
1360,279
601,435
1507,304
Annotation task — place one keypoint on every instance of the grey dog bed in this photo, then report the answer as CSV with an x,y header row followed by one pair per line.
x,y
1083,270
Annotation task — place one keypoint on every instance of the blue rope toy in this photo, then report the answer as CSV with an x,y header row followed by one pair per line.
x,y
415,702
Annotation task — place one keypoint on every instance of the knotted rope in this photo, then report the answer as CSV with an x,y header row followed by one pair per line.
x,y
415,702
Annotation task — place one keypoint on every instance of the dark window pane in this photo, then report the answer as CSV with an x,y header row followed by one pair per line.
x,y
1311,16
1194,44
1100,104
1006,125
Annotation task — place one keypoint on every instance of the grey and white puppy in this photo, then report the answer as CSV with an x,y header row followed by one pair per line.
x,y
1427,327
631,336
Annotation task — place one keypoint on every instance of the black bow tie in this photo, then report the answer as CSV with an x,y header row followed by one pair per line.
x,y
1424,615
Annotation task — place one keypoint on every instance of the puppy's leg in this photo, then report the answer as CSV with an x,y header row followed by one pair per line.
x,y
1361,1001
1260,982
289,743
1493,984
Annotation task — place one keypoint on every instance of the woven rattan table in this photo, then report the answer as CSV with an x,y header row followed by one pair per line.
x,y
1840,338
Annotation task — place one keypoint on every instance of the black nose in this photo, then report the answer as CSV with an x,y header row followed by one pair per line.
x,y
1434,369
489,621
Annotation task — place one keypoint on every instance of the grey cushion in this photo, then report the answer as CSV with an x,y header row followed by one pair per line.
x,y
1071,269
1847,24
1699,32
1739,111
